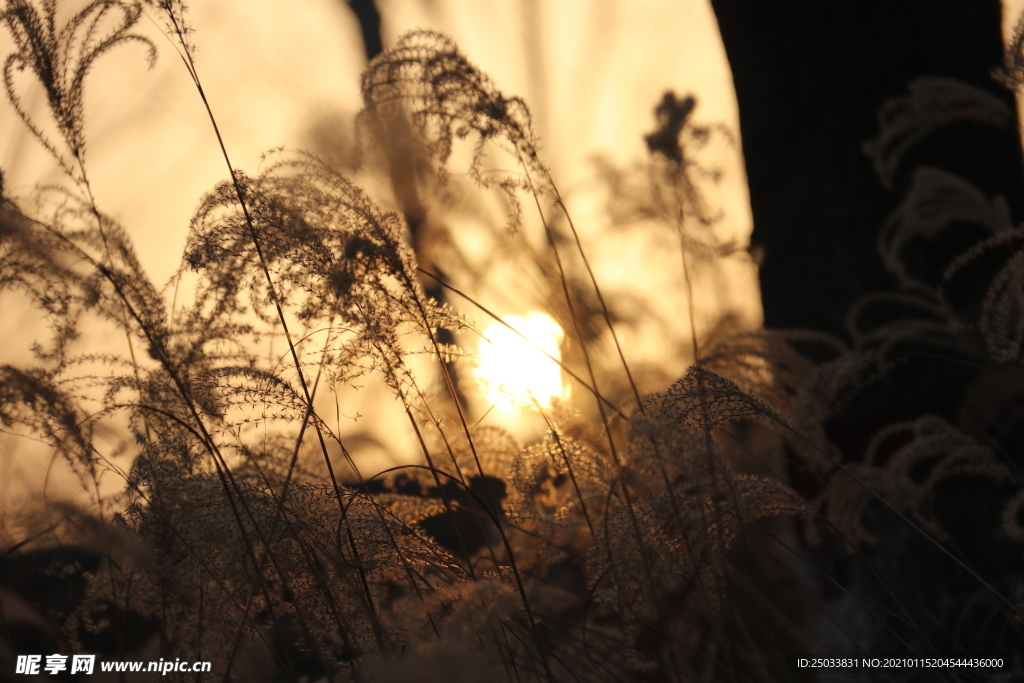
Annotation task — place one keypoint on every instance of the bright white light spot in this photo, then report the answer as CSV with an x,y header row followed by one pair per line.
x,y
510,367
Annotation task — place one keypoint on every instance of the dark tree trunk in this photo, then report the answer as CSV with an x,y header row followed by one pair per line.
x,y
368,16
810,80
810,77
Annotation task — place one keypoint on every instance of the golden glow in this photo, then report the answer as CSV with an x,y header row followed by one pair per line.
x,y
511,371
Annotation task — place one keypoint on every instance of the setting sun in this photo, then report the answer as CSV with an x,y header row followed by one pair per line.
x,y
510,367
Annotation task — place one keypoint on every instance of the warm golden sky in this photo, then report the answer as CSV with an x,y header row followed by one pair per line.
x,y
592,71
